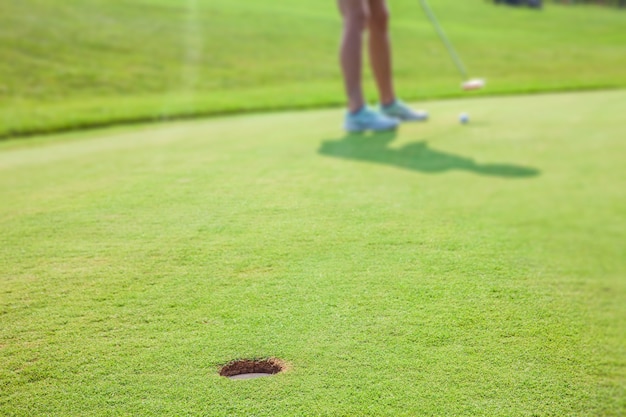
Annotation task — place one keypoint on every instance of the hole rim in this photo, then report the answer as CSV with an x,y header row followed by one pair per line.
x,y
270,366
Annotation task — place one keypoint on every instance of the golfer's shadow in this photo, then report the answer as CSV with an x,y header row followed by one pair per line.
x,y
415,156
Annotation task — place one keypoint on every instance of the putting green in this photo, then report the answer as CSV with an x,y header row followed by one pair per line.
x,y
443,269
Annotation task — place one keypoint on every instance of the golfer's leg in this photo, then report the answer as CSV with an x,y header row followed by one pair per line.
x,y
380,50
355,17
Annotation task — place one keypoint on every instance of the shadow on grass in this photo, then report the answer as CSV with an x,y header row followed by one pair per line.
x,y
414,156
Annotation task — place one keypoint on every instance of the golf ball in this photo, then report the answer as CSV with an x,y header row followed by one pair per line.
x,y
463,118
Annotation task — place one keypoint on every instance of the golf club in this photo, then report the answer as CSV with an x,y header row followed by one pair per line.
x,y
468,84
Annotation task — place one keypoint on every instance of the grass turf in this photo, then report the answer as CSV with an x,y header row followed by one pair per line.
x,y
88,63
444,270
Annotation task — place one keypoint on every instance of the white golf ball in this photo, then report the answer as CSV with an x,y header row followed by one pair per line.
x,y
464,118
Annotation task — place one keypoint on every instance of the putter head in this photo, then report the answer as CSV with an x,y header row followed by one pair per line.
x,y
475,84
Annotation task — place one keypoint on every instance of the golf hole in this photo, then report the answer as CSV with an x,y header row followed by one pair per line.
x,y
252,368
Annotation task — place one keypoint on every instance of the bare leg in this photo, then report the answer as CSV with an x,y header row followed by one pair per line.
x,y
355,17
380,50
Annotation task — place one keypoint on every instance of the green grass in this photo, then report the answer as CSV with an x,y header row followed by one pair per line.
x,y
89,63
444,270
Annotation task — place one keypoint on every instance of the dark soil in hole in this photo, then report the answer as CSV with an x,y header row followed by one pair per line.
x,y
249,366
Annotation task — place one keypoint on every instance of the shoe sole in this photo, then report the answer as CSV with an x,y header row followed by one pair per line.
x,y
419,119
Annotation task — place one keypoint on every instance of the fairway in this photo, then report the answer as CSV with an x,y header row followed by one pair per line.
x,y
443,269
103,62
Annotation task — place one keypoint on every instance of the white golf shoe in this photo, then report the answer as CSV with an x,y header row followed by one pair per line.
x,y
399,110
369,119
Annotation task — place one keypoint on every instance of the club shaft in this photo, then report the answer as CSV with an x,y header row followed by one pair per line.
x,y
455,57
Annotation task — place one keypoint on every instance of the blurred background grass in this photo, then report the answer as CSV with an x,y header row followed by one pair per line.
x,y
83,63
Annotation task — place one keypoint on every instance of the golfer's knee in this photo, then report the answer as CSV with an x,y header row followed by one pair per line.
x,y
379,20
357,19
